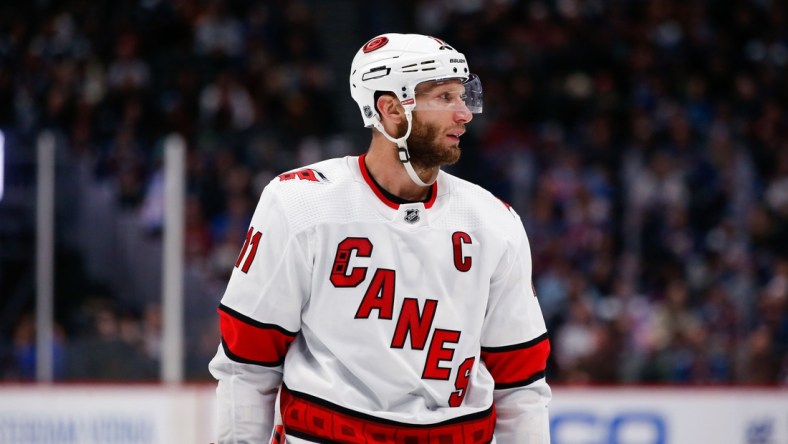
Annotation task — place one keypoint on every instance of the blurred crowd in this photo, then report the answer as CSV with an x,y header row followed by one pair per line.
x,y
644,143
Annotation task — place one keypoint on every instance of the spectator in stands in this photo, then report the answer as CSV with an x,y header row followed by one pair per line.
x,y
111,350
23,351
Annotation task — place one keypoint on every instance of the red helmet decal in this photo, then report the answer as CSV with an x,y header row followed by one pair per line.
x,y
375,43
443,44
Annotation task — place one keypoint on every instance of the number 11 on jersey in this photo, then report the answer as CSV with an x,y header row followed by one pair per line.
x,y
253,239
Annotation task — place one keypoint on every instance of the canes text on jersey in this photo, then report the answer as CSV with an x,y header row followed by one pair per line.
x,y
413,321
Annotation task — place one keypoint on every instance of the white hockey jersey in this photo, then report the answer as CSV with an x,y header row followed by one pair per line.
x,y
353,319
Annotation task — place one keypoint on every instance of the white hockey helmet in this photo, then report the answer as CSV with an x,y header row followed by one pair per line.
x,y
397,63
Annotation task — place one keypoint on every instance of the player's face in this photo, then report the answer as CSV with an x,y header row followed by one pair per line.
x,y
438,123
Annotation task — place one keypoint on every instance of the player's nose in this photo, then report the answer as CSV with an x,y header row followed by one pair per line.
x,y
462,114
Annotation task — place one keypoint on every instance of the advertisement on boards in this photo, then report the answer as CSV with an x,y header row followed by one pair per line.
x,y
104,415
669,416
99,414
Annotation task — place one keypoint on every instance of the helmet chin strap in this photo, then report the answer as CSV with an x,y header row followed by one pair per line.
x,y
402,151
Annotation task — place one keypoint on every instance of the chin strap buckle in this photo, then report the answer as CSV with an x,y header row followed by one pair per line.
x,y
404,156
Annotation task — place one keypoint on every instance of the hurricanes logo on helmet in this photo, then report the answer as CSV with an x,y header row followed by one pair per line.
x,y
375,43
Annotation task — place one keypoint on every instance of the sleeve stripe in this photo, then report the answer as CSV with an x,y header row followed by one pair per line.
x,y
247,320
248,341
526,344
523,383
517,365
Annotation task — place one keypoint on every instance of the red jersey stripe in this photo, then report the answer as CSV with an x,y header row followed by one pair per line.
x,y
317,420
252,342
517,365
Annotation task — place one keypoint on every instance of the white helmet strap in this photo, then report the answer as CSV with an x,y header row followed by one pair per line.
x,y
402,150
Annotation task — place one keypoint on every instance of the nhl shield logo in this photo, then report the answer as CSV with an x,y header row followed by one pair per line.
x,y
412,215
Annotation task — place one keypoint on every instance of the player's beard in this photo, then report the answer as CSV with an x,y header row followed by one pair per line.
x,y
427,147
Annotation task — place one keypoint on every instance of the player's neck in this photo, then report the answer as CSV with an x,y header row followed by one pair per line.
x,y
384,165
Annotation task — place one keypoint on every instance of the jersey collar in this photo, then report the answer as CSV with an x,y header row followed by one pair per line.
x,y
375,189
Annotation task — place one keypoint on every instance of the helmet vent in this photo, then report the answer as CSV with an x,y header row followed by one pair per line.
x,y
413,67
376,73
429,65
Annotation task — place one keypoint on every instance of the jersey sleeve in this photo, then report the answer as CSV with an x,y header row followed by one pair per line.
x,y
515,348
259,317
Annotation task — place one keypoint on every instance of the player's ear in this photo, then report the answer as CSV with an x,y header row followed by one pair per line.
x,y
390,109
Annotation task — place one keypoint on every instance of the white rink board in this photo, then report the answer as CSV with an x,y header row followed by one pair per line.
x,y
669,416
98,414
151,414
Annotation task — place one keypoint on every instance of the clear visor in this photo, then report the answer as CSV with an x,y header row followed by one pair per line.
x,y
450,95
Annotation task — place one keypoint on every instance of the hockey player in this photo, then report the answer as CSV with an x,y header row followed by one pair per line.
x,y
378,299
